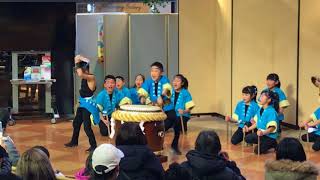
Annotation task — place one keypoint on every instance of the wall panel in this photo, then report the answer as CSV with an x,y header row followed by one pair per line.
x,y
309,57
265,41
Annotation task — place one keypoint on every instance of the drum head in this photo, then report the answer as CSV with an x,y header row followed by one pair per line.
x,y
140,108
138,113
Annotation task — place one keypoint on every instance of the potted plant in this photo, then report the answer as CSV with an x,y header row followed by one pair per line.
x,y
154,4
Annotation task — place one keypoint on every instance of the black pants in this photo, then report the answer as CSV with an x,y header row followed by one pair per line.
x,y
266,142
173,121
312,138
103,128
238,136
83,116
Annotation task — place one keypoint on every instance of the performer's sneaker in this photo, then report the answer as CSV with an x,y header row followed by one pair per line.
x,y
91,149
70,144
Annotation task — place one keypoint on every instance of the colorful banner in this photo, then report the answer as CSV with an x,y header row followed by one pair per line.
x,y
100,43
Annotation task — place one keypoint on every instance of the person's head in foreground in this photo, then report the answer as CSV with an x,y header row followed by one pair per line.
x,y
292,149
290,162
43,149
208,142
130,134
105,162
207,161
35,165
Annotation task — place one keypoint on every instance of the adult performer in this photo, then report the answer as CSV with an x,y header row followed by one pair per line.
x,y
87,111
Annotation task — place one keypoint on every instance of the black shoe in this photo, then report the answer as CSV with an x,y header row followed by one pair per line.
x,y
90,149
70,144
176,151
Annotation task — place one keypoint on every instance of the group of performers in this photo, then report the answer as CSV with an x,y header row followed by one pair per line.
x,y
175,100
259,120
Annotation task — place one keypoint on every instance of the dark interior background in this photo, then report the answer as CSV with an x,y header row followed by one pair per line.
x,y
47,27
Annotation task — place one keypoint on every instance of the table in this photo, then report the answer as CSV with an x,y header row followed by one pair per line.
x,y
15,97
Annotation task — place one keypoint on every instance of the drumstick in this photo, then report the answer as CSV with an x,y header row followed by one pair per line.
x,y
307,136
108,127
182,125
244,134
231,130
258,145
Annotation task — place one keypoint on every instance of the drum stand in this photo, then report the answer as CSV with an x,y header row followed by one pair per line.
x,y
244,135
162,158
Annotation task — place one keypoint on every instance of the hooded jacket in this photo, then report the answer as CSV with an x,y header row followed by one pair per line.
x,y
206,167
139,162
293,170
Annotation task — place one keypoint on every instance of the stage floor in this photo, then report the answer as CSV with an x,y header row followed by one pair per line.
x,y
28,133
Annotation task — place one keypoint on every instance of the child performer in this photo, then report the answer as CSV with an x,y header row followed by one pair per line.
x,y
87,112
156,90
181,104
273,83
108,100
244,112
134,91
312,125
266,122
120,84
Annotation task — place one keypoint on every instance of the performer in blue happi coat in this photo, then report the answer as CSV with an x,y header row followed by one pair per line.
x,y
244,112
108,100
139,80
274,84
181,104
120,84
266,122
312,125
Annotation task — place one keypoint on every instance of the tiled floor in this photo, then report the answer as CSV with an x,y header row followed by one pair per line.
x,y
28,133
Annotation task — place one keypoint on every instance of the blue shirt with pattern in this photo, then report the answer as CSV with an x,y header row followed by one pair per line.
x,y
267,119
184,102
245,117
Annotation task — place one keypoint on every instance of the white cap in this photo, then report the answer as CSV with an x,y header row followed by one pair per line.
x,y
105,158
